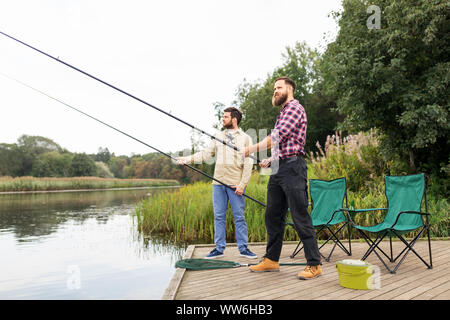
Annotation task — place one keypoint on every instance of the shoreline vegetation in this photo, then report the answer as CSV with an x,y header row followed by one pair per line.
x,y
33,184
187,215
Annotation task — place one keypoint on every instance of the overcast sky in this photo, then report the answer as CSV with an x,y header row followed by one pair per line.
x,y
181,56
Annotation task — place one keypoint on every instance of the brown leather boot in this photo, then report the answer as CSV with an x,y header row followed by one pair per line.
x,y
310,272
265,265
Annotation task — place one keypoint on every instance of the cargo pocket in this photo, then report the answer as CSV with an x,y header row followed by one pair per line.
x,y
306,195
294,167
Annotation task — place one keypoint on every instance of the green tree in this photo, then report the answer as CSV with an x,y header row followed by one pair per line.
x,y
103,155
218,112
31,147
255,102
395,78
119,166
11,160
52,164
302,64
82,165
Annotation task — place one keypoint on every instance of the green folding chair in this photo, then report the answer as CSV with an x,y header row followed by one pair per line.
x,y
404,197
327,198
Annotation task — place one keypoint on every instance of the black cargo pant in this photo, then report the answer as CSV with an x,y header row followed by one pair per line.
x,y
287,189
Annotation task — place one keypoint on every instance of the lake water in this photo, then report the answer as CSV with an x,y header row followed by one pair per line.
x,y
80,245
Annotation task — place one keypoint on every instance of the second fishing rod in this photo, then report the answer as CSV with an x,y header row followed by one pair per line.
x,y
126,93
128,135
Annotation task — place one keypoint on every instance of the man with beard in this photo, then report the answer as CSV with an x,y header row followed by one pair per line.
x,y
287,188
234,170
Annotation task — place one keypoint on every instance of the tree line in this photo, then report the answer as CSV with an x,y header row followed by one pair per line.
x,y
387,70
42,157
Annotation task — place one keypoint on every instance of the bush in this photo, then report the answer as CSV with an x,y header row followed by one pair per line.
x,y
355,157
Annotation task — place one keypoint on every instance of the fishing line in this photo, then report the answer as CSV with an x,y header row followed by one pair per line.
x,y
126,93
126,134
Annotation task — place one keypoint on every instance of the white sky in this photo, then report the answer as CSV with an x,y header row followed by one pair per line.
x,y
181,56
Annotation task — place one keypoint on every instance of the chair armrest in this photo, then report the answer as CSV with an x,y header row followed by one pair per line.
x,y
409,212
336,211
366,210
349,211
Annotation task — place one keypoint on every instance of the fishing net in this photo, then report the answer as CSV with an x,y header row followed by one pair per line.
x,y
207,264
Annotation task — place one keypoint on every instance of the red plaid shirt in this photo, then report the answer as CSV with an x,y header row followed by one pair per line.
x,y
290,130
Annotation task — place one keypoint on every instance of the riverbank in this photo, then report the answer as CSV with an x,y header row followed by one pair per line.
x,y
32,184
87,190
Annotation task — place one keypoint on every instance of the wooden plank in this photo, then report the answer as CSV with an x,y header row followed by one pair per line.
x,y
425,286
171,290
443,296
411,283
434,292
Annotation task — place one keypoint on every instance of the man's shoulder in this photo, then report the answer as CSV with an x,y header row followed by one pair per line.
x,y
245,135
294,105
219,134
294,109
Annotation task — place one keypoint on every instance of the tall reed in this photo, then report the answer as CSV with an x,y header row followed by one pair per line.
x,y
187,214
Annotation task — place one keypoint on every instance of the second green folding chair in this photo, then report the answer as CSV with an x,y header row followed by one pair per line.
x,y
327,198
404,196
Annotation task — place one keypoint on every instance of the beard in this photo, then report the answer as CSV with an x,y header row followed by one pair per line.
x,y
279,100
228,125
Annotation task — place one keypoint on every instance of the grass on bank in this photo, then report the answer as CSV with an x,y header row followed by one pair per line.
x,y
9,184
187,214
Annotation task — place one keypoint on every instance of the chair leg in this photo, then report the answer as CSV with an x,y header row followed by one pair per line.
x,y
390,244
372,246
429,247
340,232
349,238
335,237
409,247
370,243
296,250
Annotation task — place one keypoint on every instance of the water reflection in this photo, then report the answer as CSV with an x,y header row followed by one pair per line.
x,y
42,236
35,215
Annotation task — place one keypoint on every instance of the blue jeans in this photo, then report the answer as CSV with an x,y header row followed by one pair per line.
x,y
221,196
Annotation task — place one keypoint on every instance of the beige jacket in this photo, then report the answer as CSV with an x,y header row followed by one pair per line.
x,y
231,168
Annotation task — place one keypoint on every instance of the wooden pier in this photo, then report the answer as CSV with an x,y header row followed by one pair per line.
x,y
412,281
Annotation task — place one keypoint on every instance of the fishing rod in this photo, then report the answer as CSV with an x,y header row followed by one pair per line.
x,y
126,93
128,135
